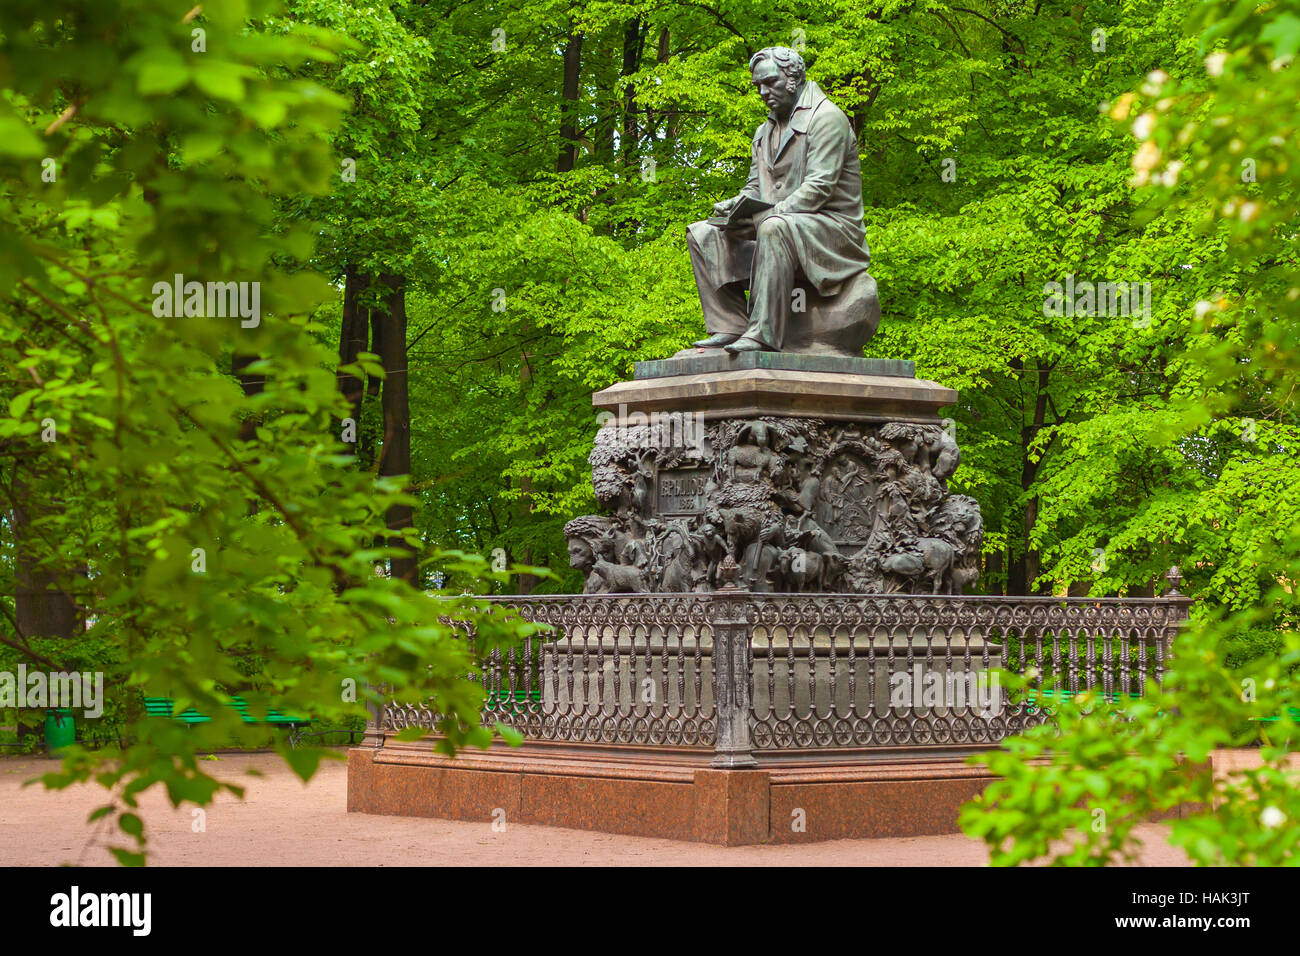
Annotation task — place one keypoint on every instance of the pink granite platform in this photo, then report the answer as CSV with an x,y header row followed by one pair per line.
x,y
670,794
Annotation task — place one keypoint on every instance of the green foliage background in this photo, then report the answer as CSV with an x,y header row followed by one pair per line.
x,y
539,232
1065,422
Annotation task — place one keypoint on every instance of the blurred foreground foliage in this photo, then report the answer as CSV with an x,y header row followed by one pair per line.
x,y
1221,149
176,504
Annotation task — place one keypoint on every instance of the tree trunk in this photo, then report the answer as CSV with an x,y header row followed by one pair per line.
x,y
633,41
992,579
252,385
602,76
42,608
352,342
663,50
375,319
395,458
569,104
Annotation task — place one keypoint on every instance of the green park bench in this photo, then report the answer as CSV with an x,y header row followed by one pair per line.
x,y
1032,695
1294,712
504,700
163,707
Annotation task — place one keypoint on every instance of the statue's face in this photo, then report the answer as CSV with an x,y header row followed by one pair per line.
x,y
774,87
580,555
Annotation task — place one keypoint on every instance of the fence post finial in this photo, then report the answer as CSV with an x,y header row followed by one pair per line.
x,y
731,665
1175,577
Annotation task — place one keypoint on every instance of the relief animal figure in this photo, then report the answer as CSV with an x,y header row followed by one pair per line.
x,y
932,560
742,526
811,536
746,509
679,554
945,456
607,578
802,570
642,484
963,577
958,521
833,571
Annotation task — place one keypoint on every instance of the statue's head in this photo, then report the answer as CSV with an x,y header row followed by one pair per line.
x,y
580,555
583,535
778,74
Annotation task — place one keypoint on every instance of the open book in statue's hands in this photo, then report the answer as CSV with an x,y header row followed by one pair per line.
x,y
746,211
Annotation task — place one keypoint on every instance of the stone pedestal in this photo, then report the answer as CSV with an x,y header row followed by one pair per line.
x,y
812,472
711,384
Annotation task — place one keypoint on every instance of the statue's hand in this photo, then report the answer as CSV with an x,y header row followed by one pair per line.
x,y
724,207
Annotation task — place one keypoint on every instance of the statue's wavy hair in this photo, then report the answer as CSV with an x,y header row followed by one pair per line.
x,y
788,61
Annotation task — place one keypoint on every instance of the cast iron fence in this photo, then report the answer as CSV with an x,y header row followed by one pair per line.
x,y
739,672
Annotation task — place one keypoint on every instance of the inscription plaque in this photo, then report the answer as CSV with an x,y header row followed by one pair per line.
x,y
680,491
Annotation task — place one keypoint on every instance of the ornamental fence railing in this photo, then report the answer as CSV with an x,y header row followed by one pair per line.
x,y
741,673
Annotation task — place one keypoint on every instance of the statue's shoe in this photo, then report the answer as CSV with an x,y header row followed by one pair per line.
x,y
717,340
746,344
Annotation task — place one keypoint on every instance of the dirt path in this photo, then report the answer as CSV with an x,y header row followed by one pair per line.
x,y
282,822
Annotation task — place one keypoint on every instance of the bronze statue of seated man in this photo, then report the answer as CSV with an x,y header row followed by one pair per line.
x,y
799,247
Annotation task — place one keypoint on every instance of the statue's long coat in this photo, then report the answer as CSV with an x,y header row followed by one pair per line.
x,y
815,180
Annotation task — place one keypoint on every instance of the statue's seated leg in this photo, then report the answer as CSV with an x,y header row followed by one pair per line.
x,y
776,266
722,264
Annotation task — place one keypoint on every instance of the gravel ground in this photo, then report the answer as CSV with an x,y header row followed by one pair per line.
x,y
282,822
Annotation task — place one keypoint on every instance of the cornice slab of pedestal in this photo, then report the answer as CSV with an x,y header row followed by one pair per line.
x,y
793,393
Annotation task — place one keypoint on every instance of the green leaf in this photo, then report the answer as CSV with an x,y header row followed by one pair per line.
x,y
1284,33
18,139
511,736
19,404
304,761
220,79
127,857
160,70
